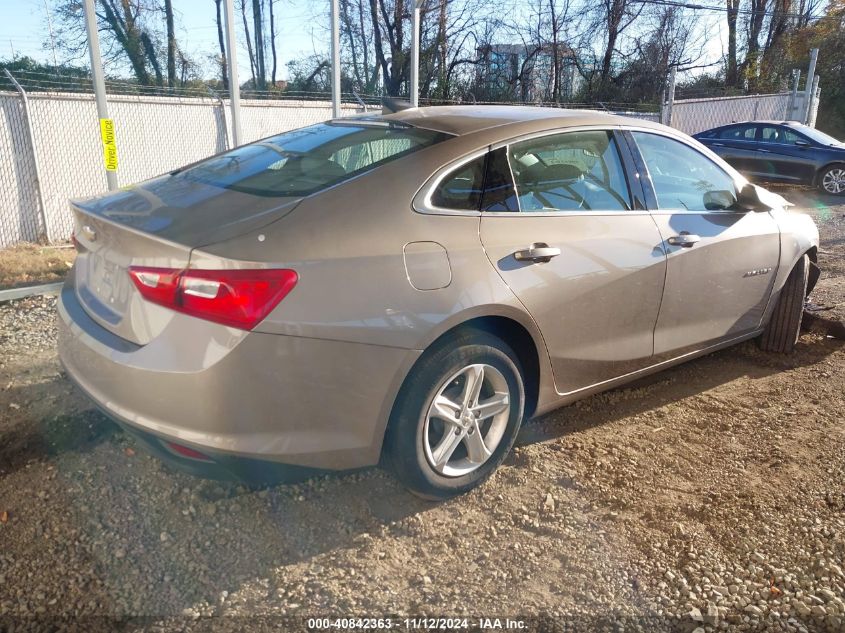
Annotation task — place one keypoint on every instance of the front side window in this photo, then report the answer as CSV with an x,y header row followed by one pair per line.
x,y
307,160
573,171
739,133
780,135
684,178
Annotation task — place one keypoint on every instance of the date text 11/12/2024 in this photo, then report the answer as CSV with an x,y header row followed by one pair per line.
x,y
414,624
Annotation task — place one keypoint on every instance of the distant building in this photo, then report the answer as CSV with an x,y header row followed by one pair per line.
x,y
521,73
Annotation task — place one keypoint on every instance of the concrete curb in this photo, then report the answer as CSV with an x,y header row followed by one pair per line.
x,y
28,291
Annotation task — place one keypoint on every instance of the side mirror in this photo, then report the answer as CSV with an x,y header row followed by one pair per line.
x,y
719,200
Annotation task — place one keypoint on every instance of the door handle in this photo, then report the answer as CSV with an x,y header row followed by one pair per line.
x,y
764,151
687,240
539,252
718,144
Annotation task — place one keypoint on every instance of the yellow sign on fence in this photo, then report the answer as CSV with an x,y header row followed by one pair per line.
x,y
109,144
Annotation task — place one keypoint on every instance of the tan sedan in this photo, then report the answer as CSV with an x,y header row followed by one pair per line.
x,y
417,284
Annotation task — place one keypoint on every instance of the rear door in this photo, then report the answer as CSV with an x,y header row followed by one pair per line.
x,y
577,247
737,145
721,262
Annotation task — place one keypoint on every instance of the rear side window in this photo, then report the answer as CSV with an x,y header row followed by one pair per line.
x,y
739,133
684,178
573,171
461,189
304,161
483,184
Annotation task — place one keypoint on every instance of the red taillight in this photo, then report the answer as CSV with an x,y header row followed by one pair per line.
x,y
239,298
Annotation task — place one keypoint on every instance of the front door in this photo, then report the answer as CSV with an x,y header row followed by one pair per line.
x,y
721,263
578,253
783,155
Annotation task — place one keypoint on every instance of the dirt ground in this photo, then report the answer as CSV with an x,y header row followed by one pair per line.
x,y
31,264
709,497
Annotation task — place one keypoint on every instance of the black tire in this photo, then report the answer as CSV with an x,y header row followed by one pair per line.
x,y
831,180
405,439
783,329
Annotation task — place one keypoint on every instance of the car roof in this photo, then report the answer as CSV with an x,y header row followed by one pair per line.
x,y
763,122
466,119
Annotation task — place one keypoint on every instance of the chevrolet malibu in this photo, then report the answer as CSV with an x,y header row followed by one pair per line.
x,y
414,285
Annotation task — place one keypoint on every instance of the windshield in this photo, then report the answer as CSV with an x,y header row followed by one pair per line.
x,y
817,135
310,159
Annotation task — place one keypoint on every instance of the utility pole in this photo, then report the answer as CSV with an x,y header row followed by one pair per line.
x,y
335,59
232,61
106,125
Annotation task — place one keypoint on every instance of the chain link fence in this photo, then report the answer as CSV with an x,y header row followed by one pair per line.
x,y
696,115
19,207
154,135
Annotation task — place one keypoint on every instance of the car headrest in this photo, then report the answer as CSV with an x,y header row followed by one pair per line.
x,y
538,173
324,166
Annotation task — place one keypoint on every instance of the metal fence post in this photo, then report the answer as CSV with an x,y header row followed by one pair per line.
x,y
336,96
789,115
414,92
666,111
814,103
98,80
216,96
42,210
232,58
808,85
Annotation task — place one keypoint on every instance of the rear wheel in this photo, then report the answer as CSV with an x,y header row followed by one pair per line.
x,y
457,416
832,180
783,329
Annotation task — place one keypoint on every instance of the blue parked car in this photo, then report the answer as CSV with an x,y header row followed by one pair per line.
x,y
784,151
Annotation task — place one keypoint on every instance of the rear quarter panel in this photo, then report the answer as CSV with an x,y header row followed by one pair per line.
x,y
347,245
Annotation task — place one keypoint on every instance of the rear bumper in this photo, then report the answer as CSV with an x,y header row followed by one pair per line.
x,y
232,394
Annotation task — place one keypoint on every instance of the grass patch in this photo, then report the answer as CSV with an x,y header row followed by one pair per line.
x,y
31,264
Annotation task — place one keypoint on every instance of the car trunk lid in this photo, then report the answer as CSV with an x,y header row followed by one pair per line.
x,y
155,224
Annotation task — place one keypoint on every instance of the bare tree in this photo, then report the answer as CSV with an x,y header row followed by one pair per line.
x,y
221,43
171,43
252,66
273,40
258,22
127,30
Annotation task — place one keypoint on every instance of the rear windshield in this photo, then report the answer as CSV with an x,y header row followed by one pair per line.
x,y
310,159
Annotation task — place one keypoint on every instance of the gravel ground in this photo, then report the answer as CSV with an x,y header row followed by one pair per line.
x,y
709,497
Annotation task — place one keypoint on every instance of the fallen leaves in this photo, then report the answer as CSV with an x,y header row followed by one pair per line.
x,y
4,516
129,451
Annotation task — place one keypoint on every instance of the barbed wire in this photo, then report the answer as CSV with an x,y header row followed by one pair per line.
x,y
59,82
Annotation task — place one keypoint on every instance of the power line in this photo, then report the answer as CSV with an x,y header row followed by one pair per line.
x,y
704,7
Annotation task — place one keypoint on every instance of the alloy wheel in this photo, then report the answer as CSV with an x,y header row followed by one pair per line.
x,y
834,181
466,420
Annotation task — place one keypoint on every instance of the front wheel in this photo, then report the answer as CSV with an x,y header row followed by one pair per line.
x,y
457,416
832,180
783,329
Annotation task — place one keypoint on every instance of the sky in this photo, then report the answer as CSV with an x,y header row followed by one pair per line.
x,y
25,27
